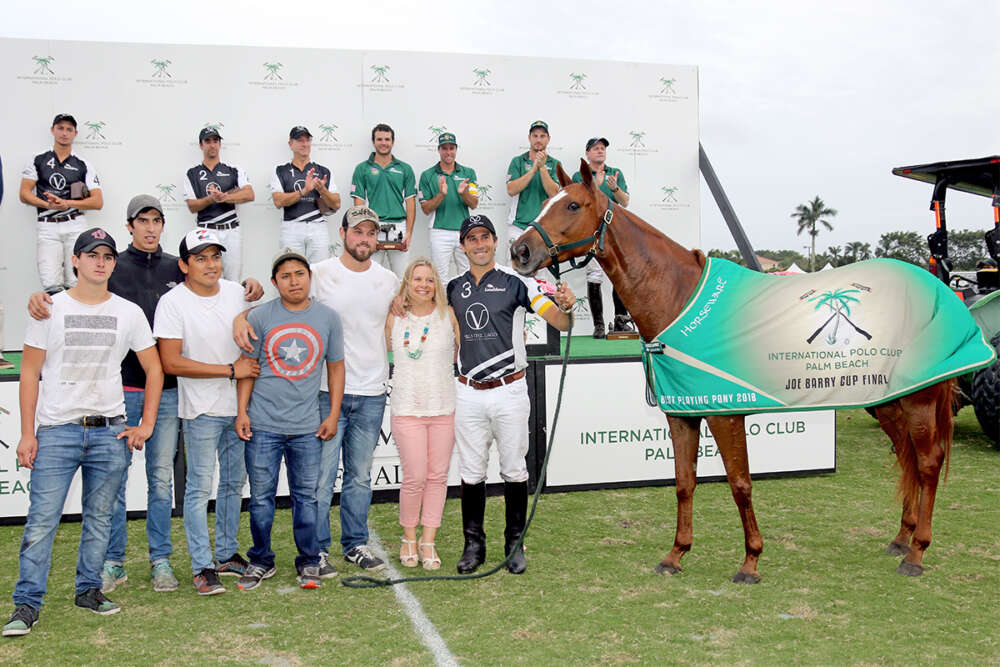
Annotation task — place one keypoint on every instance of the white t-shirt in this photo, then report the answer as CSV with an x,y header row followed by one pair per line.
x,y
84,347
204,324
362,300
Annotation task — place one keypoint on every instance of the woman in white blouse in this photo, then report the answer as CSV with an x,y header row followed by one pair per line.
x,y
423,343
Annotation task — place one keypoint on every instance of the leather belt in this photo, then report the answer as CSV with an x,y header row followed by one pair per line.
x,y
97,421
221,226
491,384
61,217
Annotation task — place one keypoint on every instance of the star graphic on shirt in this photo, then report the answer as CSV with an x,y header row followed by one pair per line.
x,y
293,352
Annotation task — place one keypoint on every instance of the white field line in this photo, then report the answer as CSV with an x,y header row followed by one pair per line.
x,y
411,605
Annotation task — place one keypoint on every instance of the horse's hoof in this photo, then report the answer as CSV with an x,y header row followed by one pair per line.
x,y
664,568
897,549
746,578
908,569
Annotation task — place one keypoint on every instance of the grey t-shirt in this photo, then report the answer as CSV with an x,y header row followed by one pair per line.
x,y
292,349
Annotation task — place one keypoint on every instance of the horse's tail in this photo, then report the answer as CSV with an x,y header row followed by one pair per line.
x,y
944,400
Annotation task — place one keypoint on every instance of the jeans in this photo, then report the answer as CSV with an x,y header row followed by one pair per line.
x,y
205,438
61,451
263,457
159,450
358,431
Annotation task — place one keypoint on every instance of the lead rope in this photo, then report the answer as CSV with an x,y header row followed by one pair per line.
x,y
362,581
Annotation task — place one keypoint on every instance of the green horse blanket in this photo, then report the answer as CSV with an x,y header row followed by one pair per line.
x,y
850,337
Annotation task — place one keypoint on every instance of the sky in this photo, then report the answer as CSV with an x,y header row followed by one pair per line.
x,y
797,98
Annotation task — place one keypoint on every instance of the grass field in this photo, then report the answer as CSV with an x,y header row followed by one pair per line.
x,y
829,594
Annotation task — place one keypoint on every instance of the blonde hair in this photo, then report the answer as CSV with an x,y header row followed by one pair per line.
x,y
439,298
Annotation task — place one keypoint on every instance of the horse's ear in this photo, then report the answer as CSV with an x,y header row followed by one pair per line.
x,y
563,177
699,258
588,178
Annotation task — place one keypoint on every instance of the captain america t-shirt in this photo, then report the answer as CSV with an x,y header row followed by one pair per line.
x,y
293,348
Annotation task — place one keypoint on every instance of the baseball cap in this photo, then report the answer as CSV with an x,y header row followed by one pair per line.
x,y
355,215
594,140
446,138
93,238
139,203
539,123
298,131
208,133
197,240
64,118
285,254
472,222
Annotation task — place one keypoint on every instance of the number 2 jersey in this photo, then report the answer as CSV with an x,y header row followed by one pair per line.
x,y
199,180
491,320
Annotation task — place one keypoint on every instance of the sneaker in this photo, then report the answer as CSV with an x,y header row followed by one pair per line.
x,y
111,576
309,577
326,570
234,566
94,600
207,582
362,556
253,576
162,576
21,620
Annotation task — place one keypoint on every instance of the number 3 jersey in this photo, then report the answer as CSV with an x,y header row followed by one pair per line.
x,y
491,320
200,180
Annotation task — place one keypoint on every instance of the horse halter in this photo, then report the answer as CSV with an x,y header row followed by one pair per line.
x,y
596,240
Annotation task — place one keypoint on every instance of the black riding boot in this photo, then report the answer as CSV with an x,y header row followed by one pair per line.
x,y
623,321
473,510
515,495
596,308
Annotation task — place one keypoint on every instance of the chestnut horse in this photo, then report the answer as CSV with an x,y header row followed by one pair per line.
x,y
654,277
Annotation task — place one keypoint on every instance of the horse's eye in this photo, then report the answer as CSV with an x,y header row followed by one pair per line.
x,y
573,206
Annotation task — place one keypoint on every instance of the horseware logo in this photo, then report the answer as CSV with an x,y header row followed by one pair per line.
x,y
380,71
166,192
57,180
475,218
328,133
43,64
838,303
298,185
477,316
272,71
577,81
481,79
668,86
436,131
95,129
160,68
637,139
669,193
484,192
293,350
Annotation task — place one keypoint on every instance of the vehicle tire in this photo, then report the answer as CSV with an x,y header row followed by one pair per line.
x,y
986,397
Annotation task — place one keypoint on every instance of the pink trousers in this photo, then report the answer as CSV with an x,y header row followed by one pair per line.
x,y
425,445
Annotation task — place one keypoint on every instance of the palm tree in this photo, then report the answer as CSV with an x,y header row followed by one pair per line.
x,y
858,251
836,254
809,217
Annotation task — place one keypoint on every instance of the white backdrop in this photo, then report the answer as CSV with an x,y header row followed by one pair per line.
x,y
140,107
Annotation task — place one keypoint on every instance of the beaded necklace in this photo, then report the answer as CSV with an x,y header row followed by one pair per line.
x,y
415,353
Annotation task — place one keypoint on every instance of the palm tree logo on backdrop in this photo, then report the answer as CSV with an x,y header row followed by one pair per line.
x,y
669,194
637,139
436,131
668,86
272,71
484,192
214,126
838,304
328,133
481,75
160,68
380,71
95,129
43,64
577,81
166,192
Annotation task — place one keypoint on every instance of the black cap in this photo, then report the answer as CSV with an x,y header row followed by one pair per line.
x,y
594,140
93,238
64,118
208,133
472,222
299,131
